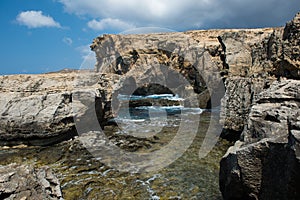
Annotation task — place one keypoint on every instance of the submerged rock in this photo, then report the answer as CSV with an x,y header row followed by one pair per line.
x,y
25,182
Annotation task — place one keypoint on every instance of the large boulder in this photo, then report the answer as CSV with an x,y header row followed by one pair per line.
x,y
39,109
265,163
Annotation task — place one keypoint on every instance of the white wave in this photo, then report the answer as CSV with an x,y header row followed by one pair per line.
x,y
170,97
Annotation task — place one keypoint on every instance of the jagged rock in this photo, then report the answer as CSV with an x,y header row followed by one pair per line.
x,y
237,101
279,55
265,163
26,182
261,60
270,115
240,51
290,65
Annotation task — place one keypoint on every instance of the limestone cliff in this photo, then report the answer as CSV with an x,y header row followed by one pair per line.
x,y
203,58
264,163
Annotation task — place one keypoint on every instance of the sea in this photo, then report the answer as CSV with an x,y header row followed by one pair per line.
x,y
178,175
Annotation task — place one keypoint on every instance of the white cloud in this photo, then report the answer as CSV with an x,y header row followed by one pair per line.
x,y
67,40
179,14
36,19
109,23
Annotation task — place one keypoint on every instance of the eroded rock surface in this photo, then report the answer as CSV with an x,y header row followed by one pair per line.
x,y
237,101
38,109
191,62
25,182
275,56
148,64
265,163
249,60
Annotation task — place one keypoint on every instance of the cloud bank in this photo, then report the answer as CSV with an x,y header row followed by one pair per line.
x,y
109,23
182,15
36,19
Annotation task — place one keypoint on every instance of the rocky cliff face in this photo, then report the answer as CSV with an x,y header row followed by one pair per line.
x,y
192,62
247,59
273,57
264,163
173,63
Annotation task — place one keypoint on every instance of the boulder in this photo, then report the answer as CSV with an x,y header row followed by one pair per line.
x,y
265,163
39,109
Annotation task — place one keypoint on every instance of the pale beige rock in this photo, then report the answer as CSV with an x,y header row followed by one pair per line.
x,y
38,109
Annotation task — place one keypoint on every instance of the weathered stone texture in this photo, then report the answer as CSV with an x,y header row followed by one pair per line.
x,y
25,182
265,163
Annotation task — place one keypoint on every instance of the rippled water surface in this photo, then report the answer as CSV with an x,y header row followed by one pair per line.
x,y
84,176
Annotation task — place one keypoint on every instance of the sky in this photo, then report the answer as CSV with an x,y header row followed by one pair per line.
x,y
39,36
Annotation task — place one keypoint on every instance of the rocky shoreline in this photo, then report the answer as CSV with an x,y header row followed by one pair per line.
x,y
259,104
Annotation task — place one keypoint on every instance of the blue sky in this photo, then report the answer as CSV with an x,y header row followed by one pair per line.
x,y
39,36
